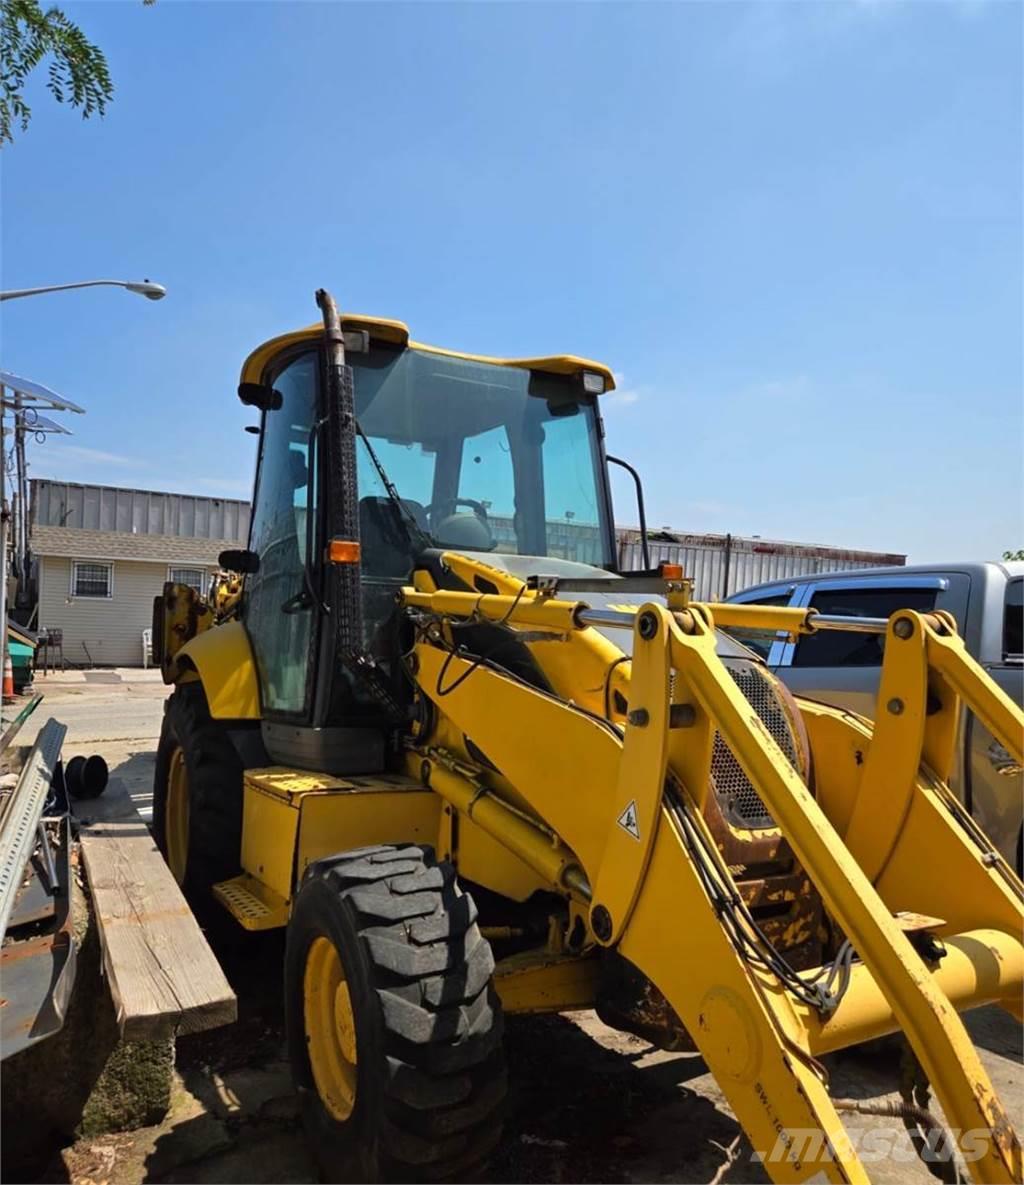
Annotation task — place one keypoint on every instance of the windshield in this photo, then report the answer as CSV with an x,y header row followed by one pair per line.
x,y
483,457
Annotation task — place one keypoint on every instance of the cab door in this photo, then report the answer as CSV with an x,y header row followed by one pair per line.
x,y
279,608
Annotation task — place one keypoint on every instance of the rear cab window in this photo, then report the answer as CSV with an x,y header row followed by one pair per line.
x,y
830,648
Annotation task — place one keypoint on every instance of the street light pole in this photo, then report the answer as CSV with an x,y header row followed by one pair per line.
x,y
144,288
23,398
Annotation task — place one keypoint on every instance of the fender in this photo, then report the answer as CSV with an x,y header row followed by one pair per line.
x,y
223,661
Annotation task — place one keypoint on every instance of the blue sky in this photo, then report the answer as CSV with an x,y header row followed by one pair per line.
x,y
793,229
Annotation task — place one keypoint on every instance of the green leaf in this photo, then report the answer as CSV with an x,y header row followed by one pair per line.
x,y
77,72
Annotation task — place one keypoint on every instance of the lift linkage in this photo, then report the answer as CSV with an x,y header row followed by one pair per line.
x,y
881,837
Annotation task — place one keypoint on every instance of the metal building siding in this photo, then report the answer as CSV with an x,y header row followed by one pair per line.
x,y
750,561
140,512
580,542
100,631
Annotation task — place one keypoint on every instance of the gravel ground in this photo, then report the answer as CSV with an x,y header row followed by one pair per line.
x,y
588,1104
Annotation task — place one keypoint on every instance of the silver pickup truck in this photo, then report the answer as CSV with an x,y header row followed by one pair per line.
x,y
987,601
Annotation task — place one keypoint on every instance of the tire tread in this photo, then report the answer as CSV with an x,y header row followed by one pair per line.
x,y
444,1081
215,792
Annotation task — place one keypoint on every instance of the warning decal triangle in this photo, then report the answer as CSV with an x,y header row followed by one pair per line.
x,y
628,820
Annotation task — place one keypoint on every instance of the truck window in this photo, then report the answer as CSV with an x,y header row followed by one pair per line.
x,y
832,649
1013,620
760,641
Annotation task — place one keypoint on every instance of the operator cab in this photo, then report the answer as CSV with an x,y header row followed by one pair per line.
x,y
453,452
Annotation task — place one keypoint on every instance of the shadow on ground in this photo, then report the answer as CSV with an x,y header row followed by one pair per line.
x,y
581,1109
584,1111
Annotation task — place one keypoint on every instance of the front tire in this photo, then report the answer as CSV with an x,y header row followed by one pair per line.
x,y
197,797
394,1027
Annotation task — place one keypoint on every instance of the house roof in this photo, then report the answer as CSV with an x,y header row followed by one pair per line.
x,y
122,545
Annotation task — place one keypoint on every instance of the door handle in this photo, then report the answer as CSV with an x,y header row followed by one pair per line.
x,y
301,600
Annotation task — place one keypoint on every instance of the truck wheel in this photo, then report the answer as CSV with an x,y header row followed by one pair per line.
x,y
197,796
394,1027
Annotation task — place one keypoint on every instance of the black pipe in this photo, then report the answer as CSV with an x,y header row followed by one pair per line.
x,y
343,498
86,777
644,550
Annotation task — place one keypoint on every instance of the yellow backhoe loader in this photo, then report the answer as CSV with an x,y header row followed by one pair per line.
x,y
473,769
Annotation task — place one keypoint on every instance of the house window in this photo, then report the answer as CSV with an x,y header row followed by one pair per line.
x,y
92,580
193,577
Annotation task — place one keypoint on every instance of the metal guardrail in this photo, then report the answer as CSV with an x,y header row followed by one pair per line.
x,y
20,824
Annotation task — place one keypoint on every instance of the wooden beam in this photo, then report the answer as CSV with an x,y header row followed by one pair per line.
x,y
164,978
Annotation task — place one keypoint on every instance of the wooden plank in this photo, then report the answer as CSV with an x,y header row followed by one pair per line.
x,y
163,977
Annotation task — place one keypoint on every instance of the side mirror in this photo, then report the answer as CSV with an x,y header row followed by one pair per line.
x,y
244,561
257,395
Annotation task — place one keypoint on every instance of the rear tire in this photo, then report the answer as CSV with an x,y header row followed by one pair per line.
x,y
200,837
413,1088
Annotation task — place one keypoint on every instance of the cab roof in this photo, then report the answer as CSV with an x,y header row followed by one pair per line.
x,y
397,333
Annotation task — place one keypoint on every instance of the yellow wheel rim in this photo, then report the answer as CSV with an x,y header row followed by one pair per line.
x,y
330,1029
176,816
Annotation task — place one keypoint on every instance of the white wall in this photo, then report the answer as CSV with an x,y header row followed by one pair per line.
x,y
107,630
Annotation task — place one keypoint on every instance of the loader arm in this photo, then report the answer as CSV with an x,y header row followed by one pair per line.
x,y
614,821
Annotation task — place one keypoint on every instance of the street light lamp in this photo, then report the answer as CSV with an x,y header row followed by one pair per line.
x,y
144,288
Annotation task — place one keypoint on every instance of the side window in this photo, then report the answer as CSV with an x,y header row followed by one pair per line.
x,y
571,515
760,641
830,648
1013,620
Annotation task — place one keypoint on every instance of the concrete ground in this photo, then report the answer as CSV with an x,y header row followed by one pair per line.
x,y
115,713
588,1104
